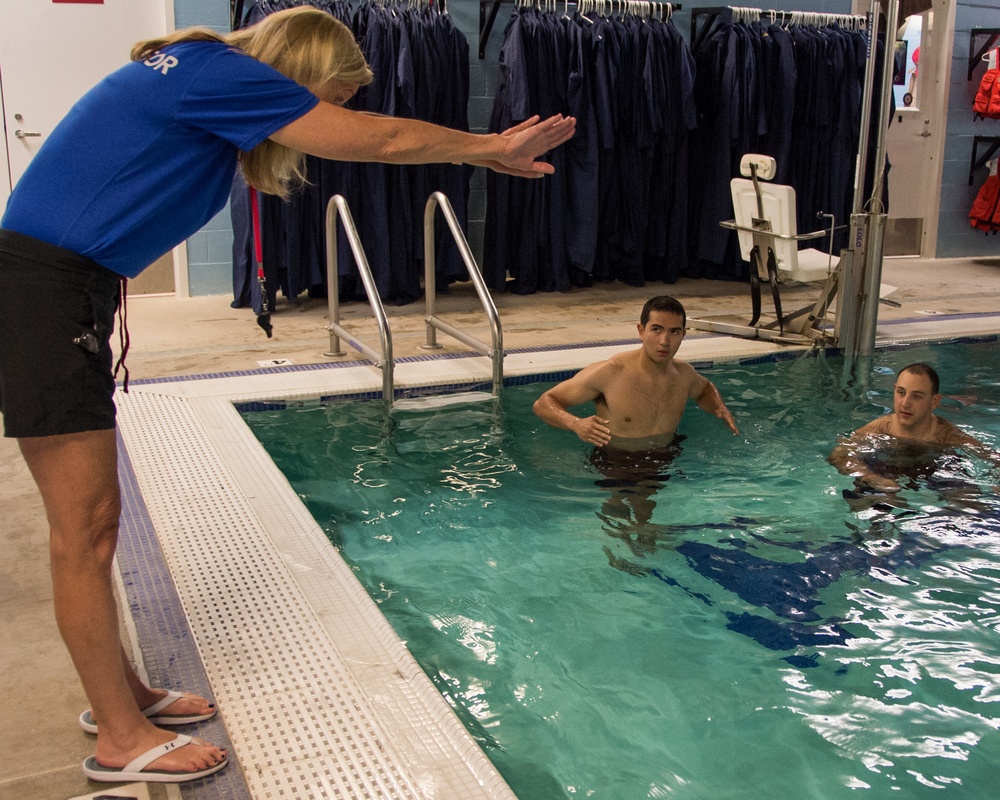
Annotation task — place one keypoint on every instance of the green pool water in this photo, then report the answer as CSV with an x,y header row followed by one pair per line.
x,y
736,629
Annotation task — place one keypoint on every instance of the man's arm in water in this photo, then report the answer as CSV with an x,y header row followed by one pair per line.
x,y
704,393
848,460
956,437
583,387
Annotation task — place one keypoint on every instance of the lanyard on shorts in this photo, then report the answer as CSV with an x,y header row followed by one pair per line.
x,y
123,337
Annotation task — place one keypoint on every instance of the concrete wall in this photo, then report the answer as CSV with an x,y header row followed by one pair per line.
x,y
955,236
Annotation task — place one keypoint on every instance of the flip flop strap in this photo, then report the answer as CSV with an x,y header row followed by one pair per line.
x,y
147,758
161,704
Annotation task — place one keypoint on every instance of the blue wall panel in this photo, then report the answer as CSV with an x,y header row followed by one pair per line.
x,y
209,252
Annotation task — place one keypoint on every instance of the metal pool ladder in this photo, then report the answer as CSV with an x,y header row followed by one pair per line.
x,y
494,350
337,207
382,359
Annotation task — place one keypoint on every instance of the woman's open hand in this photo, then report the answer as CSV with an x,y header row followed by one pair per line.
x,y
524,143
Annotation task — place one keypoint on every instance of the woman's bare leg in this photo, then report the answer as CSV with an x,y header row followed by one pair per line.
x,y
77,475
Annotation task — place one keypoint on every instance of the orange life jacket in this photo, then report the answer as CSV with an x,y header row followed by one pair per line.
x,y
987,102
985,213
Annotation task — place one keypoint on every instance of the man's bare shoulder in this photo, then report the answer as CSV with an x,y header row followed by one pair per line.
x,y
877,427
867,434
600,373
684,369
686,378
623,360
948,434
617,365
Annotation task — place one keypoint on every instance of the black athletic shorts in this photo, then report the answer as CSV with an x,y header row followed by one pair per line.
x,y
627,468
57,313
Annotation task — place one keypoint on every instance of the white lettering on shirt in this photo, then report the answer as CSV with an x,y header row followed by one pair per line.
x,y
160,62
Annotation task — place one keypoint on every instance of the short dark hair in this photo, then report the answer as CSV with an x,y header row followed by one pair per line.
x,y
920,368
662,303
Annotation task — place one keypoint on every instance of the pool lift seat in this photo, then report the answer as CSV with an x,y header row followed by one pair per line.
x,y
768,237
382,358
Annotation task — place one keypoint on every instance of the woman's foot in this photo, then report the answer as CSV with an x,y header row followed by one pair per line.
x,y
176,759
165,708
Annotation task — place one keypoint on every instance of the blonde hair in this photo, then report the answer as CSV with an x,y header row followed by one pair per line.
x,y
306,44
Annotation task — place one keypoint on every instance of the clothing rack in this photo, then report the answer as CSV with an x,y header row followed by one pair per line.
x,y
617,207
488,10
736,14
774,112
237,9
431,78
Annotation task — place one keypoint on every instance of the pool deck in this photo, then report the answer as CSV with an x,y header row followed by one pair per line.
x,y
40,745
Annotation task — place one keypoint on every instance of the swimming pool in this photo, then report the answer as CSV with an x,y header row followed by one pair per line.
x,y
750,631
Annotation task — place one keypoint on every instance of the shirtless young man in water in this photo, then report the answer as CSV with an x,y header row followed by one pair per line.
x,y
913,422
640,396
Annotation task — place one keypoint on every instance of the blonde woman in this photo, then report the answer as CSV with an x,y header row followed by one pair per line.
x,y
140,163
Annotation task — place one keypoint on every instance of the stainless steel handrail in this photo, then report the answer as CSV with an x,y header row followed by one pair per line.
x,y
337,208
731,224
495,350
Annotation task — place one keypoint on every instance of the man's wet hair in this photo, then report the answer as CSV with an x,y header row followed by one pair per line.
x,y
920,368
663,302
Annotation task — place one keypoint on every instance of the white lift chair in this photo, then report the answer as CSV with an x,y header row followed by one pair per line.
x,y
768,235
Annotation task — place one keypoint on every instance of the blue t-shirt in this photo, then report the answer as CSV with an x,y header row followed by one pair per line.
x,y
147,156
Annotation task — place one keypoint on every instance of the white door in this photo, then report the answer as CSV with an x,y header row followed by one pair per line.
x,y
51,53
915,141
5,184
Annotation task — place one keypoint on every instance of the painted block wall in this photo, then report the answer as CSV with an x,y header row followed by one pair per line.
x,y
210,251
955,236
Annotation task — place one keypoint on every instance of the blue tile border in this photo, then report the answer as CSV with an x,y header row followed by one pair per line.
x,y
967,339
560,375
515,380
168,649
546,349
342,364
935,317
403,360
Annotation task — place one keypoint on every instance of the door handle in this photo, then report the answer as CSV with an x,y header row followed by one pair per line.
x,y
25,134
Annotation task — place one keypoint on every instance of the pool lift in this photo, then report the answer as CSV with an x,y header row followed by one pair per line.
x,y
766,226
382,359
857,310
